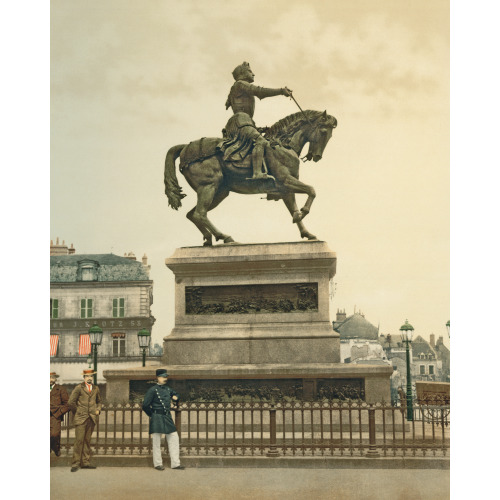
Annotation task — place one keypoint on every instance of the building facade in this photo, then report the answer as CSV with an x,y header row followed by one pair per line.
x,y
104,289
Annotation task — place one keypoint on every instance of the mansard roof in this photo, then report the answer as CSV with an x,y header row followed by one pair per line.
x,y
421,346
356,326
110,267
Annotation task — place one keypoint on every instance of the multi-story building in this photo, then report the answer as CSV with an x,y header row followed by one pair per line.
x,y
426,365
430,361
113,292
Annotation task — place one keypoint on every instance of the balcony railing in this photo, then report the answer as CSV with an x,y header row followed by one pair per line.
x,y
106,357
303,428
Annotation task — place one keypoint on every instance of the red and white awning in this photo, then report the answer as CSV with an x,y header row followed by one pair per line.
x,y
84,348
53,344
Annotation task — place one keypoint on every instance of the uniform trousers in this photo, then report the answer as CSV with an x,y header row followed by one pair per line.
x,y
173,449
81,449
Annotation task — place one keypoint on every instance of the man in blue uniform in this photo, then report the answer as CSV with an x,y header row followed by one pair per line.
x,y
157,406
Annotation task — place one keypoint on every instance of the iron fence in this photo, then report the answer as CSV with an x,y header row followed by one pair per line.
x,y
301,428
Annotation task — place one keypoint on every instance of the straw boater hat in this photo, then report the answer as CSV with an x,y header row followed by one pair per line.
x,y
88,372
54,374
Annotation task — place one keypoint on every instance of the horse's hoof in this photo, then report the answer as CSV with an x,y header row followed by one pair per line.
x,y
228,240
207,243
303,213
309,236
297,217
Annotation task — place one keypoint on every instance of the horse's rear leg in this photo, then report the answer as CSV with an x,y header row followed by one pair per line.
x,y
220,195
208,198
207,235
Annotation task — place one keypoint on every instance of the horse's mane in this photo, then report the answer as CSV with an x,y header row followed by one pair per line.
x,y
284,129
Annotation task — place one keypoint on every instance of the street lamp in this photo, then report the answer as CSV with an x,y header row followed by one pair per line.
x,y
95,334
407,335
144,338
448,328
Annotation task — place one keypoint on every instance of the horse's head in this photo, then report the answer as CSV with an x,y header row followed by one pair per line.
x,y
319,135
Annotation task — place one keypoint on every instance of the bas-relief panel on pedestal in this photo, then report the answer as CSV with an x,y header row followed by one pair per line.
x,y
261,390
245,299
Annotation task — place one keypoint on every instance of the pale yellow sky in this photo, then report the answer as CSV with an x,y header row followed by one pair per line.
x,y
131,79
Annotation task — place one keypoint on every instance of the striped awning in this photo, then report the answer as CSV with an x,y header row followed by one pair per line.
x,y
84,347
53,344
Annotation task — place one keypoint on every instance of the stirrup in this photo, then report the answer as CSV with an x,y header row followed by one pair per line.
x,y
269,176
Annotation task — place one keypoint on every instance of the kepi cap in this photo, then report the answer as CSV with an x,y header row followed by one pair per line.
x,y
161,372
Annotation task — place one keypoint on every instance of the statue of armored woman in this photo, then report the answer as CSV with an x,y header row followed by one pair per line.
x,y
242,135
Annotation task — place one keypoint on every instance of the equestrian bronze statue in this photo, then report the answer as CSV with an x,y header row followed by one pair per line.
x,y
249,160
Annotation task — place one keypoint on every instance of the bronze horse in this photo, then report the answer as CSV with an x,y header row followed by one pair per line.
x,y
213,179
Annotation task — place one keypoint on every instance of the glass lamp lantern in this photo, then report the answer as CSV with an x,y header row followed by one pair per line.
x,y
144,338
406,332
95,334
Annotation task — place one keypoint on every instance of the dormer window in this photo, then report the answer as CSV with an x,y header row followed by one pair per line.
x,y
87,270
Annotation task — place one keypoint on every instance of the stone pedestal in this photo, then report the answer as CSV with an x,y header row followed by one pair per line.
x,y
251,320
252,304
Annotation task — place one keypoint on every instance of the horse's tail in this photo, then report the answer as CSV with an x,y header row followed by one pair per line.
x,y
172,189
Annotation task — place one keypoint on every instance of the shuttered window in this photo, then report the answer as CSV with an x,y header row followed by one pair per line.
x,y
118,308
54,308
86,308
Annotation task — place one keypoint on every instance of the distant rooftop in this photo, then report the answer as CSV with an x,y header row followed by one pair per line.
x,y
356,326
104,267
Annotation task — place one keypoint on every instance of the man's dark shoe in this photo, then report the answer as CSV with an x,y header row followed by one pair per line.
x,y
58,453
179,467
160,467
89,467
74,469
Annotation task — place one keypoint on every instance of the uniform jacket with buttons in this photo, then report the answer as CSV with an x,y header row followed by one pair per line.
x,y
85,403
156,405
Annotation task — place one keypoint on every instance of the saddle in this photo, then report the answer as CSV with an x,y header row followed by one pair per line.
x,y
206,147
199,150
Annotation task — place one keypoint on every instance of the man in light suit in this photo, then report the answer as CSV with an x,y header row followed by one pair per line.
x,y
85,400
58,407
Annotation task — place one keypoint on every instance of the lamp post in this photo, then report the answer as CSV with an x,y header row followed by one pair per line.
x,y
406,335
95,334
144,338
448,328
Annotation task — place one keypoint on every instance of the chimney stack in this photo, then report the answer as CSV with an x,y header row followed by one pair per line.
x,y
145,263
60,249
341,315
433,340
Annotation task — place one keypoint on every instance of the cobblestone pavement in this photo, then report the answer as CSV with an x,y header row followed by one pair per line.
x,y
139,483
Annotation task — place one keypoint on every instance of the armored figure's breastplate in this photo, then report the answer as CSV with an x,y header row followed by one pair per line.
x,y
242,102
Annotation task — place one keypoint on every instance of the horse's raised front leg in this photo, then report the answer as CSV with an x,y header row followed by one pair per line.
x,y
294,185
291,205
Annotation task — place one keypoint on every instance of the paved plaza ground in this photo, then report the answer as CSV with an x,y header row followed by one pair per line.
x,y
223,483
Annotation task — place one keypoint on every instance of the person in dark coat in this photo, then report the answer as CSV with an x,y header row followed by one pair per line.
x,y
58,407
156,405
85,401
